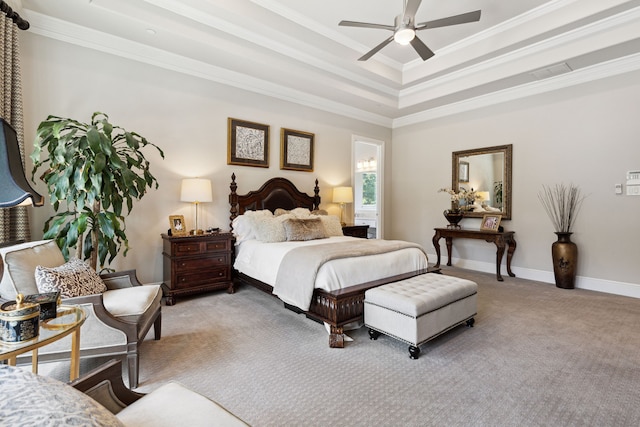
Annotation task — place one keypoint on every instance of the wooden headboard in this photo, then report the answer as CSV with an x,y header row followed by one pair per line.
x,y
275,193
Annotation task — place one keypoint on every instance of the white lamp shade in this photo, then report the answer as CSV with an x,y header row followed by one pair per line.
x,y
196,190
342,195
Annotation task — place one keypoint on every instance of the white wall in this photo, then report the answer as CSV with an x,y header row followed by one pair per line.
x,y
587,135
187,118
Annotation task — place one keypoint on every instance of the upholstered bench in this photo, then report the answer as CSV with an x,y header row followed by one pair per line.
x,y
420,308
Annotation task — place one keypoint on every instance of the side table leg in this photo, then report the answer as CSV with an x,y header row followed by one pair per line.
x,y
449,241
499,254
436,245
34,361
75,354
510,250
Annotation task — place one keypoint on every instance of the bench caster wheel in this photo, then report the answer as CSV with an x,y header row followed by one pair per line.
x,y
470,322
373,334
414,352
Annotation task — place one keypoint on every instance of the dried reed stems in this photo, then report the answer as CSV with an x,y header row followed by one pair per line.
x,y
562,204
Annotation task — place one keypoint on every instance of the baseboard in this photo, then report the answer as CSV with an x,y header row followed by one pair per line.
x,y
590,283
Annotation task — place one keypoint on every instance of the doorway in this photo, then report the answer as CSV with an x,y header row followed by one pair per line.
x,y
367,170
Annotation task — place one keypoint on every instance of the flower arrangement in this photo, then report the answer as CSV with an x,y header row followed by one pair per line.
x,y
562,204
469,197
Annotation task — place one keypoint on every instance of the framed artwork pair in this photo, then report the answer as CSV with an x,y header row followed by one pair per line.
x,y
248,145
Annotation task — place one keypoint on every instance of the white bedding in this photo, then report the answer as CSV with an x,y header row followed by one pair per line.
x,y
261,261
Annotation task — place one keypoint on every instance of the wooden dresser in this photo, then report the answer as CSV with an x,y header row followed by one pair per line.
x,y
194,264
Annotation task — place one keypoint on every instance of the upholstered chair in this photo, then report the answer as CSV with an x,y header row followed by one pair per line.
x,y
118,319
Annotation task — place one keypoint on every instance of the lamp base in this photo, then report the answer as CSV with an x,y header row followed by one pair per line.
x,y
196,232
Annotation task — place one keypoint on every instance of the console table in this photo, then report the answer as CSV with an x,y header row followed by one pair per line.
x,y
501,239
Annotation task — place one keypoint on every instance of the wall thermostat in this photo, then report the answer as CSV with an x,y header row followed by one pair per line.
x,y
633,183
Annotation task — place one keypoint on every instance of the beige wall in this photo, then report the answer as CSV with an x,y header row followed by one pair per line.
x,y
587,135
187,118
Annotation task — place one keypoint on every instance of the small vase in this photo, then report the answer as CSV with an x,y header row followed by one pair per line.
x,y
454,217
565,261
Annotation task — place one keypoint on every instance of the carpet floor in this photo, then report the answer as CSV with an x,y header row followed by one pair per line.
x,y
537,356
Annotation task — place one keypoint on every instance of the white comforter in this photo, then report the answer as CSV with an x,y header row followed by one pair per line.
x,y
262,260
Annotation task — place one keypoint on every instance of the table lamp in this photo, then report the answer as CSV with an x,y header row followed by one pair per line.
x,y
196,191
15,189
342,195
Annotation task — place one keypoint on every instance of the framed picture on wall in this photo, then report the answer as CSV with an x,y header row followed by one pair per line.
x,y
248,143
296,150
463,169
490,222
178,226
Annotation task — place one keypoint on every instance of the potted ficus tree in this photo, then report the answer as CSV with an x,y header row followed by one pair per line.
x,y
93,173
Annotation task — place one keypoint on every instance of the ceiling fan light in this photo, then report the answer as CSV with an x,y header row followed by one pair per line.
x,y
404,36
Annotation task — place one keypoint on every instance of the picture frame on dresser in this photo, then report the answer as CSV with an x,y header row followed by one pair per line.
x,y
248,143
296,150
178,226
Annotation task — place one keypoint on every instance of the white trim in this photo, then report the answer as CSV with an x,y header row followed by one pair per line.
x,y
582,282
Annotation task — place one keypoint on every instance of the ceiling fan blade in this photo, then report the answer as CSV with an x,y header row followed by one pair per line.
x,y
411,8
365,25
375,49
422,49
451,20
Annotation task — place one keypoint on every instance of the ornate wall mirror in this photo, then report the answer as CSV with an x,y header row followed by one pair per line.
x,y
488,171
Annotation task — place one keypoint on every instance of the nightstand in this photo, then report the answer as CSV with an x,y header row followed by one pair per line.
x,y
195,264
355,230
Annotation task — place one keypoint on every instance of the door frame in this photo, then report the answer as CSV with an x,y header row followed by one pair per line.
x,y
380,145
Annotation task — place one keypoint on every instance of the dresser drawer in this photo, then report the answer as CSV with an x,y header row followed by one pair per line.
x,y
194,278
201,263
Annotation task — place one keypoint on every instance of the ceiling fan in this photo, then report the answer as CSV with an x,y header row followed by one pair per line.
x,y
405,27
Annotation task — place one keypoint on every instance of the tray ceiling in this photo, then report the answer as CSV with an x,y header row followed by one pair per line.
x,y
295,50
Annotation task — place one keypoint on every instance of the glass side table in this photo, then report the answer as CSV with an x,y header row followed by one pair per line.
x,y
69,319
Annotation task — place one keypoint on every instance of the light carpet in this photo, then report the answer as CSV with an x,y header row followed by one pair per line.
x,y
537,356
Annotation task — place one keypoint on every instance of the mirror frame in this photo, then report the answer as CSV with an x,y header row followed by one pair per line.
x,y
507,150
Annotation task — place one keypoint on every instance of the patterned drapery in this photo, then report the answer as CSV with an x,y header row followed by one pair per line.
x,y
14,222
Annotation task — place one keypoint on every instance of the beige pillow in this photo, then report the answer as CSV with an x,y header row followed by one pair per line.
x,y
298,229
270,229
20,264
319,212
73,279
332,226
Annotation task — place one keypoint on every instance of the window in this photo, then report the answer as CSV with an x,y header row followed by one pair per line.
x,y
369,189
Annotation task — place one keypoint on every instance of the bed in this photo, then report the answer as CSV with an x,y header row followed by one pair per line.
x,y
337,298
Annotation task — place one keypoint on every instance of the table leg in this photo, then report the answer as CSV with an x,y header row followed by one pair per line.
x,y
510,250
449,241
34,361
500,252
75,355
12,361
436,245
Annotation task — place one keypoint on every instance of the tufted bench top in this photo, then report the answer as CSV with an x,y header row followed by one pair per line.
x,y
421,294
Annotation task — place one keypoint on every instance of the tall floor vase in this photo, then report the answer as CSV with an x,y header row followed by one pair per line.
x,y
565,261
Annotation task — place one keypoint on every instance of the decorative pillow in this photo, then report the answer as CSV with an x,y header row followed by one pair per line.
x,y
73,279
244,225
297,212
319,212
332,226
270,229
304,229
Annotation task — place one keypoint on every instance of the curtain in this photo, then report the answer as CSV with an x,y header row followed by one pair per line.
x,y
14,222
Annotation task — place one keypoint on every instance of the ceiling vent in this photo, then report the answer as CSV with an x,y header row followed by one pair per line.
x,y
551,71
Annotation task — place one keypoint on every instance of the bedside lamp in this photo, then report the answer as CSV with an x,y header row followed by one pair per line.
x,y
196,191
342,195
15,189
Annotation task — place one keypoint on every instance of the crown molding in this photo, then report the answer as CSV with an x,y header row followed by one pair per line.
x,y
81,36
584,75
